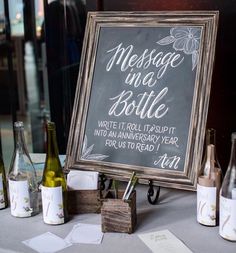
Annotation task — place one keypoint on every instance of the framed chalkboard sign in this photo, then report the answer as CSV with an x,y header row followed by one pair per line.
x,y
142,95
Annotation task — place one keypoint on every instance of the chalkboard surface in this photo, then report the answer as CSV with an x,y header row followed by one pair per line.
x,y
140,100
142,93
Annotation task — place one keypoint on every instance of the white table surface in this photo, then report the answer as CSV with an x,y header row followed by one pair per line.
x,y
176,212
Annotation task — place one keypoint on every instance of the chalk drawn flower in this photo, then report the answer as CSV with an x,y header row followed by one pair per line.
x,y
86,152
186,39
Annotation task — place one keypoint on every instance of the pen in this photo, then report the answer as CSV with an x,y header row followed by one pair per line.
x,y
134,181
128,185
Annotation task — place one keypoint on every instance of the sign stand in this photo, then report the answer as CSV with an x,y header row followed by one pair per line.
x,y
150,193
103,179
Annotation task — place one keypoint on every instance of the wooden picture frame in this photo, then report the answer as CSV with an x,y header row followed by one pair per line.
x,y
163,57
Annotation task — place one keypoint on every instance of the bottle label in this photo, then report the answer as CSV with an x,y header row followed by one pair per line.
x,y
206,205
2,196
52,200
19,198
228,218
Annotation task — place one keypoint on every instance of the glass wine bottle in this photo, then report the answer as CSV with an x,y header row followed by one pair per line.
x,y
228,198
23,186
3,186
53,183
210,139
208,189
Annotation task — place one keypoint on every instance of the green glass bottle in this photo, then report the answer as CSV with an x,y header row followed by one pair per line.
x,y
53,183
3,186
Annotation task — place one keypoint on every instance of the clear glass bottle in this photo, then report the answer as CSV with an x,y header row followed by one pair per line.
x,y
208,189
3,186
228,198
210,139
53,183
23,186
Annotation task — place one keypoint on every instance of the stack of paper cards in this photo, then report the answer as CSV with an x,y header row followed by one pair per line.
x,y
81,233
47,243
82,180
85,233
164,242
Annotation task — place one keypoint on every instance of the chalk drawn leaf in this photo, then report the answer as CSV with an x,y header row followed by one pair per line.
x,y
97,157
88,151
195,58
166,41
85,144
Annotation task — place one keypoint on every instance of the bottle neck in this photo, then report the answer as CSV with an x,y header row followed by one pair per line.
x,y
1,165
211,157
20,139
52,148
233,153
211,136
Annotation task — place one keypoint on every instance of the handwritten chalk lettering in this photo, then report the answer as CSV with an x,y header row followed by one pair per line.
x,y
136,79
146,107
144,147
112,134
100,132
141,137
133,127
111,143
107,124
122,144
165,161
122,125
170,140
158,129
131,145
124,57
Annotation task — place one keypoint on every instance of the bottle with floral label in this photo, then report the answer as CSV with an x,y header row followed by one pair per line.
x,y
228,198
23,186
53,183
3,186
208,189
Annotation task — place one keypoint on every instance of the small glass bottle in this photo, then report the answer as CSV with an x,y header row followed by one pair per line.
x,y
3,186
210,139
53,183
228,198
23,186
208,189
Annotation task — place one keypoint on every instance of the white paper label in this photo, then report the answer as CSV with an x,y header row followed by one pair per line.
x,y
234,193
206,205
19,198
2,197
52,200
228,218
